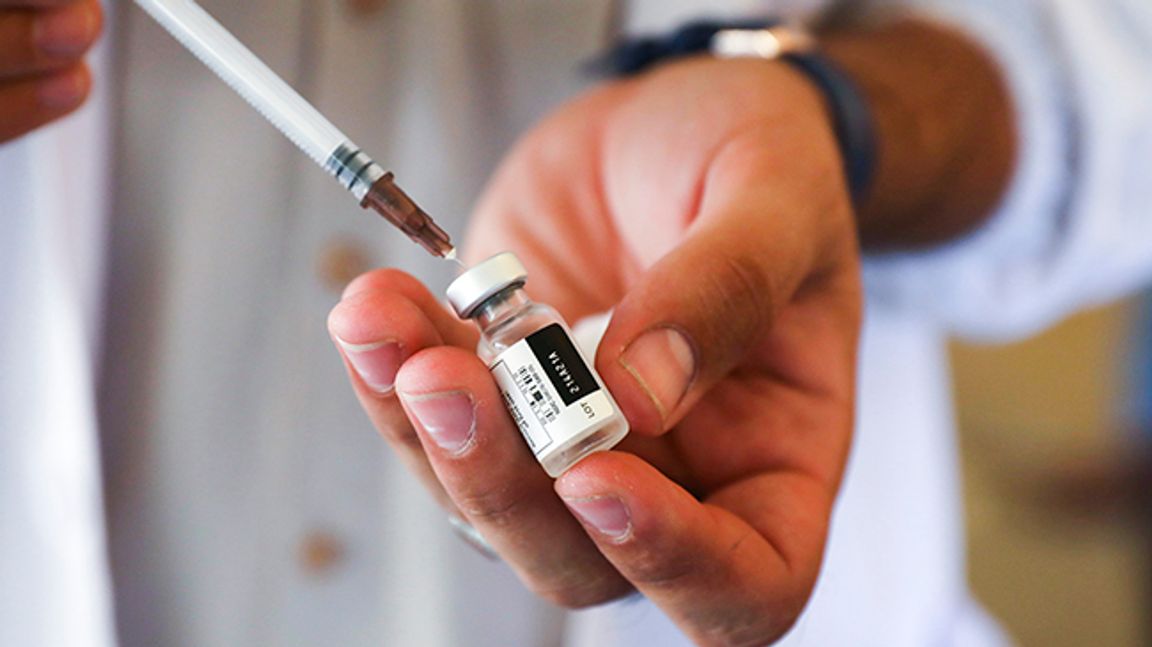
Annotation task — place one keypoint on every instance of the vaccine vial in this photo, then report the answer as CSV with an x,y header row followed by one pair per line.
x,y
550,389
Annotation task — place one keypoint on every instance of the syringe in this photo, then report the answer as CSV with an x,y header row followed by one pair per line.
x,y
297,119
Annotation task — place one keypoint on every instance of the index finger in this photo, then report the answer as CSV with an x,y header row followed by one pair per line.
x,y
45,37
385,317
34,4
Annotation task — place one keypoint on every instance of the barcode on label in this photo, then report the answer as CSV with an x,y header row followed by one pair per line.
x,y
518,417
539,398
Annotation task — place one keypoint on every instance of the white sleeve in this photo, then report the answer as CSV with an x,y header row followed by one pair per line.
x,y
55,588
1075,225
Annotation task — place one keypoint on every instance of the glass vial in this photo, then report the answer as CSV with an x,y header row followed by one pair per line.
x,y
550,389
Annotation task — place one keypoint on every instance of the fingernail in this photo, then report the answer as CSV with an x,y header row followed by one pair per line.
x,y
376,364
448,418
664,363
607,514
65,33
61,92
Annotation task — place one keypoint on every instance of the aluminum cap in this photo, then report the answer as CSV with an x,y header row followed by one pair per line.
x,y
483,280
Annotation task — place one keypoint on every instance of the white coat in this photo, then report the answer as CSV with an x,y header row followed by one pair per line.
x,y
160,299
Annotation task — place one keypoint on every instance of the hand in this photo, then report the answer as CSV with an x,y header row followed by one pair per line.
x,y
705,203
42,72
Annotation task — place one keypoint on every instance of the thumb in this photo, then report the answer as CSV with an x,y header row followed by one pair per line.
x,y
697,313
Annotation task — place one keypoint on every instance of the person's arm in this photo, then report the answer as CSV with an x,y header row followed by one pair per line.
x,y
944,125
42,73
705,202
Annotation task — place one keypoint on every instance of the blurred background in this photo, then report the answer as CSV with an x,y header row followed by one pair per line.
x,y
1057,478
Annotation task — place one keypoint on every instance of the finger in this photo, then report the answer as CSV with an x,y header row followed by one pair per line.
x,y
30,103
24,4
38,40
723,580
386,317
451,328
489,472
706,306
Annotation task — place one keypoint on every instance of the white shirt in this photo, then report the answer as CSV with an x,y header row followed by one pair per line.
x,y
53,578
232,441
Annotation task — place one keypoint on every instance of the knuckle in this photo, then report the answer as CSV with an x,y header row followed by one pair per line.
x,y
495,507
735,296
652,569
756,636
744,289
748,630
584,591
762,618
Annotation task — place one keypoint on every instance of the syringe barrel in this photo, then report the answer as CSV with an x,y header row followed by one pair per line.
x,y
297,119
248,76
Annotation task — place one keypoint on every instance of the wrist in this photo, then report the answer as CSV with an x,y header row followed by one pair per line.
x,y
763,39
943,126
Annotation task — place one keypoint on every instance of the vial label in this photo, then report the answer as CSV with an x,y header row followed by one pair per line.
x,y
549,389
